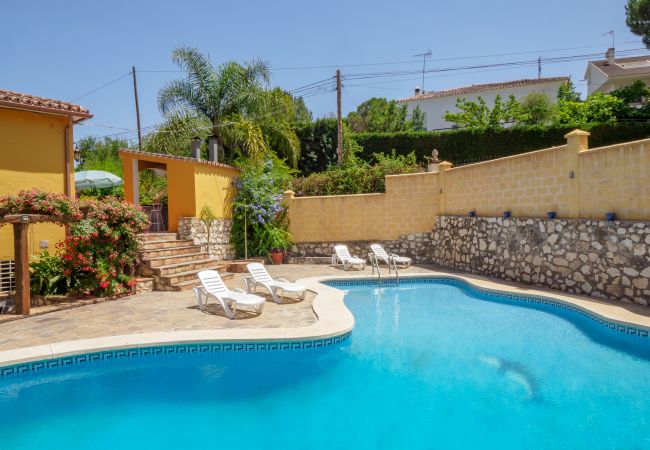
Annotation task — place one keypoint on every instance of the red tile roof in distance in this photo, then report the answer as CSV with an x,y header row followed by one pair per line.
x,y
16,100
475,88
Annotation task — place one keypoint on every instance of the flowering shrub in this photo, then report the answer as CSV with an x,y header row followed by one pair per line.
x,y
38,202
101,248
101,245
258,205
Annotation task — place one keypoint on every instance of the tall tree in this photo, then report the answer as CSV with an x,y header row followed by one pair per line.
x,y
378,115
638,19
101,154
233,98
418,120
537,109
567,92
479,116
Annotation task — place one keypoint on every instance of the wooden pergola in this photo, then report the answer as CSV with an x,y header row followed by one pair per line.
x,y
20,224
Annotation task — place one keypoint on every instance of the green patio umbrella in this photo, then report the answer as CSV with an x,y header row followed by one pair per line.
x,y
89,179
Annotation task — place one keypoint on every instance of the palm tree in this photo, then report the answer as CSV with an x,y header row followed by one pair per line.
x,y
232,102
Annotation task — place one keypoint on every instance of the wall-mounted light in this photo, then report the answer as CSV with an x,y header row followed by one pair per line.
x,y
77,153
572,174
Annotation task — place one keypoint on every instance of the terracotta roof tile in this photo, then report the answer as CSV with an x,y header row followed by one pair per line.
x,y
177,158
475,88
16,100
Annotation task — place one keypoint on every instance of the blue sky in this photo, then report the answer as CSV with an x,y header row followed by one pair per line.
x,y
64,49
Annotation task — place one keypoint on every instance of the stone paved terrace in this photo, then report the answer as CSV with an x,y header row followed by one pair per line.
x,y
177,311
167,311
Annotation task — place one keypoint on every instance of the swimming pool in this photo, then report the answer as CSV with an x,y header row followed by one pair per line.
x,y
432,363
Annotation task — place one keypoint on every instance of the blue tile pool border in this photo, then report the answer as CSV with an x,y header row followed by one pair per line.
x,y
503,297
158,350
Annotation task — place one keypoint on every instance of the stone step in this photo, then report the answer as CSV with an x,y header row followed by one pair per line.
x,y
151,237
172,243
175,251
186,285
190,274
174,259
201,264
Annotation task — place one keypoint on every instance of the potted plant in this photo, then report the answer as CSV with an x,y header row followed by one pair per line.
x,y
276,240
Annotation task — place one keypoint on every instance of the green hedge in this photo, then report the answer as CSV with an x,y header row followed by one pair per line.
x,y
464,146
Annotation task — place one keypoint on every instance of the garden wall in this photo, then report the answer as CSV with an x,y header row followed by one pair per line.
x,y
409,205
218,246
582,254
570,180
609,260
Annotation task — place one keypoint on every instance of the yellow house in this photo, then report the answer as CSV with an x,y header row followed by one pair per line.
x,y
191,183
36,151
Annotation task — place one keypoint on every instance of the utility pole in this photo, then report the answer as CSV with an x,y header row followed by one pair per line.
x,y
539,67
339,120
424,65
137,109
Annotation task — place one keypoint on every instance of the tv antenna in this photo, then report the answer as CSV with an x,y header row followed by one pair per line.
x,y
611,32
424,57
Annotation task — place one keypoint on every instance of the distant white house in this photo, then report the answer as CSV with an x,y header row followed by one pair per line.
x,y
435,104
612,73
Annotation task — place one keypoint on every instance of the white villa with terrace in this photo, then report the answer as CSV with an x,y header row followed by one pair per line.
x,y
435,104
612,73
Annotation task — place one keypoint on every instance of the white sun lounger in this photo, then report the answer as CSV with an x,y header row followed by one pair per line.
x,y
213,286
343,255
389,259
259,275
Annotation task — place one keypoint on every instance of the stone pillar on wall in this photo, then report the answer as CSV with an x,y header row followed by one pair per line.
x,y
442,168
288,197
577,142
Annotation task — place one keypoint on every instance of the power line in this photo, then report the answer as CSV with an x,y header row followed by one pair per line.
x,y
457,58
102,86
523,63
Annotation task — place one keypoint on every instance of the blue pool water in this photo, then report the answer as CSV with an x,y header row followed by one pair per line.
x,y
428,366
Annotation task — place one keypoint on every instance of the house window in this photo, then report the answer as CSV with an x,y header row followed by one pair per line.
x,y
7,275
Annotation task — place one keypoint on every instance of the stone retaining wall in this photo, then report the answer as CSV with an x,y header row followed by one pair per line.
x,y
609,260
416,246
219,246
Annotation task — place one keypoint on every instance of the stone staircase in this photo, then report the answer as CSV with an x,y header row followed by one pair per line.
x,y
174,263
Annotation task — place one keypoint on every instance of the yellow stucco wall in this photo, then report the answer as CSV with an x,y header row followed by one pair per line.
x,y
529,184
616,179
32,155
214,188
410,203
181,193
571,180
190,185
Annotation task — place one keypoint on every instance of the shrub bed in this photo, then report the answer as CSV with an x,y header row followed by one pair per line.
x,y
356,176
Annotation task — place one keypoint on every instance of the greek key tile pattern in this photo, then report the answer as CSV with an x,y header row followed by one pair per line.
x,y
533,300
216,347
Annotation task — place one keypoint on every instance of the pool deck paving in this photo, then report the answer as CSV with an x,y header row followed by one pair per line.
x,y
170,317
